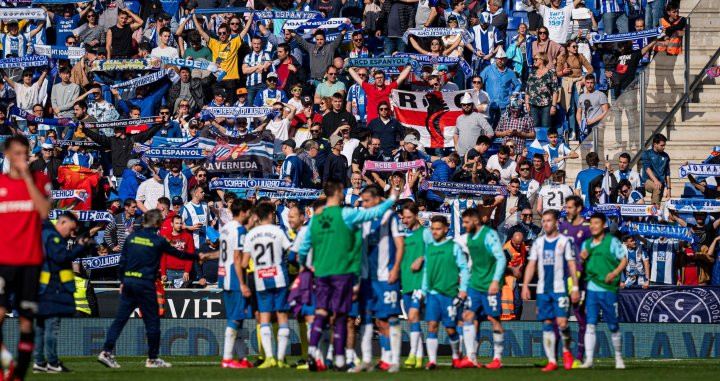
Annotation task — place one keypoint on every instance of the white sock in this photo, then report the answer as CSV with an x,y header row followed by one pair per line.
x,y
266,337
469,340
395,342
420,348
340,361
617,344
385,356
230,336
330,351
455,346
366,343
432,347
549,345
313,351
308,331
589,343
350,355
498,339
283,336
414,343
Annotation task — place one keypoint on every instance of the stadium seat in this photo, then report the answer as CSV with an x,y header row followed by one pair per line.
x,y
514,22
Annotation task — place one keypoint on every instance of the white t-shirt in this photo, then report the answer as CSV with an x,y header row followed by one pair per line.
x,y
279,128
149,192
26,96
167,51
506,172
557,21
349,148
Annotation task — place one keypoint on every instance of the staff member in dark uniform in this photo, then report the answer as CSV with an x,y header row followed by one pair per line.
x,y
138,267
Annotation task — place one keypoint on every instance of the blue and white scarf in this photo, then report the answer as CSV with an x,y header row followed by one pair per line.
x,y
424,59
693,205
195,64
699,170
624,210
598,38
84,215
238,112
317,23
101,262
287,15
124,122
26,61
150,63
78,194
220,11
81,143
381,62
652,230
59,1
57,122
295,194
161,141
60,52
175,153
466,188
438,32
22,14
241,183
148,79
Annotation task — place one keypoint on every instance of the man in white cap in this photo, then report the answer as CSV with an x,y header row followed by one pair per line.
x,y
500,83
470,125
485,42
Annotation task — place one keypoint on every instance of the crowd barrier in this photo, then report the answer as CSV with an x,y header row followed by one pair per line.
x,y
198,337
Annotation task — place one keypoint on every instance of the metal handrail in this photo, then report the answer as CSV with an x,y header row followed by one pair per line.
x,y
678,105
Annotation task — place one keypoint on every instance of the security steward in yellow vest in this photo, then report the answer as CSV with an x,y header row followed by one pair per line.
x,y
139,264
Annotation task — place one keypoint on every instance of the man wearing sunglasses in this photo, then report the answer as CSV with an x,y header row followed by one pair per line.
x,y
270,95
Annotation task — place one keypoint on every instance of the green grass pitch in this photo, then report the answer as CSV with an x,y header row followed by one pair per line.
x,y
208,369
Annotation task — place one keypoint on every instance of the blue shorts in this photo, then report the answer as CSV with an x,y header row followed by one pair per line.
x,y
385,299
439,307
605,301
237,307
412,300
481,303
553,305
273,299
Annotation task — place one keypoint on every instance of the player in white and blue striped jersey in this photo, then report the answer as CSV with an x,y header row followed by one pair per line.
x,y
383,247
266,245
231,278
556,257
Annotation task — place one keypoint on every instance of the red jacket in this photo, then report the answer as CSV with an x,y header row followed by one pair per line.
x,y
184,242
166,228
540,176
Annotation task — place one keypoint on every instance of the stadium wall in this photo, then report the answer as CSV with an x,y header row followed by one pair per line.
x,y
204,337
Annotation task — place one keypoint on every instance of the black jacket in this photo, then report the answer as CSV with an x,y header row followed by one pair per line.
x,y
332,120
199,89
336,168
52,169
121,148
140,258
500,211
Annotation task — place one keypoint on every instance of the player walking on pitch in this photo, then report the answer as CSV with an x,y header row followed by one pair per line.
x,y
487,267
266,244
555,252
445,280
605,259
411,273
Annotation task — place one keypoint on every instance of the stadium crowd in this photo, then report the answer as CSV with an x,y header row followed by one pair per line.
x,y
112,97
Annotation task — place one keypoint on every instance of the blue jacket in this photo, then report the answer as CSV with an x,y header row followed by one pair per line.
x,y
57,282
130,184
500,85
140,257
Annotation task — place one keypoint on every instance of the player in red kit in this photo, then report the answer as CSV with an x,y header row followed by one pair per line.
x,y
24,204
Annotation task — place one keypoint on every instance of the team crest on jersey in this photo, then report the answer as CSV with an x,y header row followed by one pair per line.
x,y
325,221
691,305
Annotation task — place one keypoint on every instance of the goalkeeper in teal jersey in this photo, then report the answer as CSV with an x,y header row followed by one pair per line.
x,y
487,266
445,280
605,259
